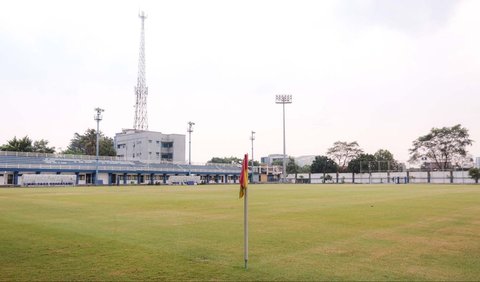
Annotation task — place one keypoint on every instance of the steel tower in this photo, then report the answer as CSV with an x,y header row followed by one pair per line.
x,y
141,90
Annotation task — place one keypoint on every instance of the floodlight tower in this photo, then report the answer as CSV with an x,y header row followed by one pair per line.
x,y
98,117
141,90
283,99
190,130
252,137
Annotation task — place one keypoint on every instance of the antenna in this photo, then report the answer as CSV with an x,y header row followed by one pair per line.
x,y
141,90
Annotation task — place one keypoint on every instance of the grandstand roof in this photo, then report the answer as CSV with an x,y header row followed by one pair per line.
x,y
20,161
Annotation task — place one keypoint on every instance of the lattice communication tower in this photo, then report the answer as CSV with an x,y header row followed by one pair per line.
x,y
141,90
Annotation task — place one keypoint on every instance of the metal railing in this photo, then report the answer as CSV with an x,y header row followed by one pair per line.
x,y
110,168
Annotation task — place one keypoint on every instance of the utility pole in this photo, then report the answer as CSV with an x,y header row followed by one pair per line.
x,y
98,117
284,99
190,130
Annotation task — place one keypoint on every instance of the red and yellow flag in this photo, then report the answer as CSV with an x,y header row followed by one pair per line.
x,y
244,176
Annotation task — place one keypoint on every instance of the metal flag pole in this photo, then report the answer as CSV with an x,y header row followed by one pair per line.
x,y
245,230
244,194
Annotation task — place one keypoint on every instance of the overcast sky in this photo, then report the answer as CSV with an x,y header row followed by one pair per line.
x,y
378,72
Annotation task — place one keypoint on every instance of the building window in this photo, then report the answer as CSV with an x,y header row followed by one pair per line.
x,y
167,156
167,144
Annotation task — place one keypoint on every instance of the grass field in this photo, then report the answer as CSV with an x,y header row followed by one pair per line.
x,y
297,232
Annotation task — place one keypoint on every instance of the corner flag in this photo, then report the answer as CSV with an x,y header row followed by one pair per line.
x,y
244,176
244,192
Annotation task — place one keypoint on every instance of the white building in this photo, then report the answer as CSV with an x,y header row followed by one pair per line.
x,y
278,158
151,146
304,160
272,158
477,162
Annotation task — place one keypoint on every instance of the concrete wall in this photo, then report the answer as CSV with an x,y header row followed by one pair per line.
x,y
418,177
345,178
461,177
438,177
103,177
82,182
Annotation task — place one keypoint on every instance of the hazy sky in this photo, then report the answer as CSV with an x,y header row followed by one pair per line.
x,y
378,72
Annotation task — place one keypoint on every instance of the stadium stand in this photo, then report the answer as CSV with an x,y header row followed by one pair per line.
x,y
112,170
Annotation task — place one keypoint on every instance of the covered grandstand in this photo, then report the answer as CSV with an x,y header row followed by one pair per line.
x,y
111,170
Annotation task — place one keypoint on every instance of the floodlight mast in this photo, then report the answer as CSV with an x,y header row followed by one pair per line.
x,y
252,137
283,99
190,130
98,117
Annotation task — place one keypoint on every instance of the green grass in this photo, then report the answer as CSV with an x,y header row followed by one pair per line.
x,y
297,232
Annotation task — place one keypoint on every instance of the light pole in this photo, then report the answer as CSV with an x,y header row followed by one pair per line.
x,y
190,130
98,117
283,99
252,138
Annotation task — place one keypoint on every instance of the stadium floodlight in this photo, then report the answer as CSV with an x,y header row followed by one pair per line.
x,y
98,117
252,137
190,130
283,99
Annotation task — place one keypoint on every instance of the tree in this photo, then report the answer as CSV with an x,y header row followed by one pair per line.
x,y
305,169
292,167
343,152
41,146
224,160
441,146
363,163
106,147
18,145
25,145
83,144
385,160
474,173
86,144
323,164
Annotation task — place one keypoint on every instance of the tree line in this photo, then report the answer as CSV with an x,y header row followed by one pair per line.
x,y
80,144
444,148
347,157
441,148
